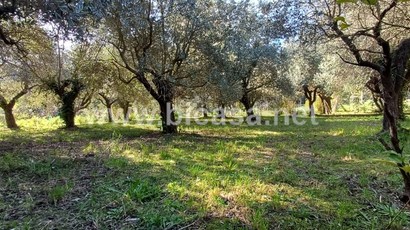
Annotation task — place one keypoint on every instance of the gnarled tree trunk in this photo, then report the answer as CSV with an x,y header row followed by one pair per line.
x,y
248,104
165,98
125,106
221,112
311,97
205,111
68,91
126,113
67,112
8,107
378,101
391,114
391,117
108,102
326,103
168,117
9,116
109,114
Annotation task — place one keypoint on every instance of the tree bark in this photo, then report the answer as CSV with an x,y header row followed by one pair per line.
x,y
67,112
221,112
163,93
311,108
68,91
9,116
165,97
108,102
391,113
168,117
246,102
126,113
205,111
378,102
311,97
390,122
385,123
125,106
326,103
8,107
109,114
69,118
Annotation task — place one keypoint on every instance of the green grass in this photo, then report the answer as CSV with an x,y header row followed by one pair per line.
x,y
110,176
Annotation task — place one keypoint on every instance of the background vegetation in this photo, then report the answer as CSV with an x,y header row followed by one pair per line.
x,y
90,92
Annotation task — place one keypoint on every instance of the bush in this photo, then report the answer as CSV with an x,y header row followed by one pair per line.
x,y
38,122
367,107
407,106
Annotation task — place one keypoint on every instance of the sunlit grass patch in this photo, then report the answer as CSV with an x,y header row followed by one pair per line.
x,y
207,177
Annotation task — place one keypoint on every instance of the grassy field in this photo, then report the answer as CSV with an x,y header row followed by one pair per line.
x,y
113,176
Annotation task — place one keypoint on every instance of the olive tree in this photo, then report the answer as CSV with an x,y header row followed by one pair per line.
x,y
154,40
376,36
69,75
17,76
15,83
244,50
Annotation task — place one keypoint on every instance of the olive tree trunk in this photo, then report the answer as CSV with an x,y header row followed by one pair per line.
x,y
391,117
311,96
109,114
125,107
205,111
326,104
168,117
9,116
246,102
108,102
67,112
126,113
8,107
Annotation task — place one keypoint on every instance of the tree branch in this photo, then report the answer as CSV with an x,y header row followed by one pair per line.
x,y
354,50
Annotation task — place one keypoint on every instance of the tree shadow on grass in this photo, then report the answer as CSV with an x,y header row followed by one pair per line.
x,y
61,138
93,193
187,180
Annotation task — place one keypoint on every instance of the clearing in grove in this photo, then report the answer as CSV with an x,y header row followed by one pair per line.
x,y
115,176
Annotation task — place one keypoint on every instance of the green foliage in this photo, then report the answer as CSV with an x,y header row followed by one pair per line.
x,y
343,25
402,160
143,191
10,162
307,175
165,155
367,107
117,163
397,217
259,221
58,192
